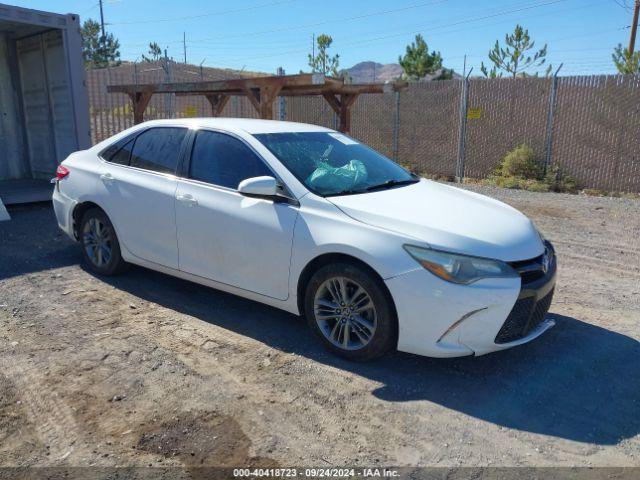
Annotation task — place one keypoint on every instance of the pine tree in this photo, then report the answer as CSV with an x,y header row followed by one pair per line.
x,y
514,59
417,62
155,52
97,51
625,61
322,62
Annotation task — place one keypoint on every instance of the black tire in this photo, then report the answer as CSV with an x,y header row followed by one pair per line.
x,y
384,337
115,263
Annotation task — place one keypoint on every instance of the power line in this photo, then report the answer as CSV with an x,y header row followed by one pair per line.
x,y
325,22
384,37
224,38
203,15
523,7
270,45
622,4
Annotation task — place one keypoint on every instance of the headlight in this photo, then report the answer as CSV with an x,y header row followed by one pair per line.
x,y
456,268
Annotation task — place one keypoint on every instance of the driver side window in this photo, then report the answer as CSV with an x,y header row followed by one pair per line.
x,y
223,160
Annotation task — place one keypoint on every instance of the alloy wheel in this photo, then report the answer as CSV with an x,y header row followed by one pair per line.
x,y
345,313
97,241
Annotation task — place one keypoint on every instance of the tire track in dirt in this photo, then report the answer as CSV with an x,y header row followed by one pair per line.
x,y
53,421
617,249
616,267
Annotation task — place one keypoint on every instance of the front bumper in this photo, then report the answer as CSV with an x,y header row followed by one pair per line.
x,y
442,319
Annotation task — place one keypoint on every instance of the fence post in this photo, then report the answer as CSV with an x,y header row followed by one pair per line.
x,y
552,106
282,106
464,98
396,126
168,97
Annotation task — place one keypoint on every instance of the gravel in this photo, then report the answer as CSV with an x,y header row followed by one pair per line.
x,y
145,369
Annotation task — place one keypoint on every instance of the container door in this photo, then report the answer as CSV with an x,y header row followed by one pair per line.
x,y
60,101
37,115
48,111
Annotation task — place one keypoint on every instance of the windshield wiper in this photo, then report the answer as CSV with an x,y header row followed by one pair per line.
x,y
346,192
391,183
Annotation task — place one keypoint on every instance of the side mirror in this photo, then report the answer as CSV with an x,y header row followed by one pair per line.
x,y
259,187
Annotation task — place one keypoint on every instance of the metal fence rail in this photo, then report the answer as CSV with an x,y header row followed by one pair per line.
x,y
588,126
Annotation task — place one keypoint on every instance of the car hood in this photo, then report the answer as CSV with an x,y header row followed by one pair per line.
x,y
447,218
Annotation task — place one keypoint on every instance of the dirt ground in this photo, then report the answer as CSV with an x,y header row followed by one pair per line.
x,y
145,369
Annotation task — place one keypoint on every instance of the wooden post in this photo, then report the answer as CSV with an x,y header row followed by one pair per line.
x,y
262,98
139,100
346,102
333,102
254,97
342,107
218,102
268,94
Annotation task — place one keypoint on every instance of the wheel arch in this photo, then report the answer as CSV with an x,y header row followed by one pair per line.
x,y
79,210
335,257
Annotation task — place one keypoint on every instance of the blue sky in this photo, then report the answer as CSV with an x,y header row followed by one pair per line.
x,y
265,34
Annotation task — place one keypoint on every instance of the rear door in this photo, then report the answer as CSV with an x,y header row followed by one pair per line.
x,y
138,186
223,235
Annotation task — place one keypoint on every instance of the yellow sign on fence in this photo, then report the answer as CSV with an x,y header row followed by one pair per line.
x,y
474,113
191,111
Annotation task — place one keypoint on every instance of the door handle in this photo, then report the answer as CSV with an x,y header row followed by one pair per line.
x,y
107,178
187,199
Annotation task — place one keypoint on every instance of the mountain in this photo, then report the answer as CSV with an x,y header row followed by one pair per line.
x,y
369,72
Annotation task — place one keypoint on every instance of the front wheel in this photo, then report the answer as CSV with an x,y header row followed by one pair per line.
x,y
351,312
100,246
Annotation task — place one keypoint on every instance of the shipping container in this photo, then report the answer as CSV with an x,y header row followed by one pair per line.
x,y
43,99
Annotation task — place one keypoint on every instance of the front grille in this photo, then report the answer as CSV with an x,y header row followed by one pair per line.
x,y
535,268
526,315
529,270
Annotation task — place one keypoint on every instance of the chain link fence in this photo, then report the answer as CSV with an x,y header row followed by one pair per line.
x,y
588,126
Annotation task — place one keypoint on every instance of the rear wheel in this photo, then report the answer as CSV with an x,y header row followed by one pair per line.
x,y
350,311
100,247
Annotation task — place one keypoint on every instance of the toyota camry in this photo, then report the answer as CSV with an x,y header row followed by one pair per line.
x,y
311,221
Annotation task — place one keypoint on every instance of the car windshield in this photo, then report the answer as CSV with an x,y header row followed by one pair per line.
x,y
331,163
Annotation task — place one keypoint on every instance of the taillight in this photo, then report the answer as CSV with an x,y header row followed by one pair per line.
x,y
61,172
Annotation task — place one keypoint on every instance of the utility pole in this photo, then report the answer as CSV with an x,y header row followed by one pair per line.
x,y
201,70
184,45
634,27
313,46
282,106
104,37
102,21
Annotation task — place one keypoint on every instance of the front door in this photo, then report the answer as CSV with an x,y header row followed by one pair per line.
x,y
223,235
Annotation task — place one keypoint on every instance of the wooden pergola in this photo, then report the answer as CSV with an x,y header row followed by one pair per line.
x,y
261,92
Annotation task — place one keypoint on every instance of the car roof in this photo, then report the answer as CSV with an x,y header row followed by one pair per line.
x,y
241,125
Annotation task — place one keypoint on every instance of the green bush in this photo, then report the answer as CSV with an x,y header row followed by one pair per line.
x,y
521,162
522,169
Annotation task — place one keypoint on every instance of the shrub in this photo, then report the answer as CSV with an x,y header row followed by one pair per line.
x,y
521,162
522,169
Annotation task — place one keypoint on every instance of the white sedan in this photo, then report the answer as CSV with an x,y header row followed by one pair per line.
x,y
309,220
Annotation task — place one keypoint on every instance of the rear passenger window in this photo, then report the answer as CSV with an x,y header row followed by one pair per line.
x,y
119,152
223,160
157,149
